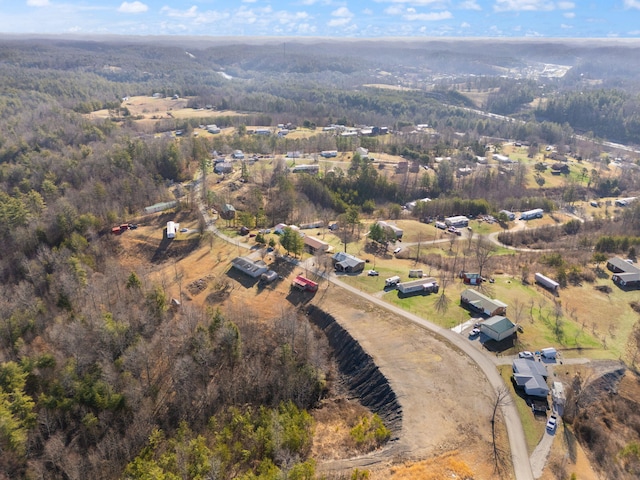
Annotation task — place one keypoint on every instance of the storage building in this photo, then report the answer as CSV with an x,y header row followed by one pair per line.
x,y
498,327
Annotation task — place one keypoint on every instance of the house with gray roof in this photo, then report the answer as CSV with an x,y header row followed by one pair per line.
x,y
481,303
253,268
625,274
345,262
531,376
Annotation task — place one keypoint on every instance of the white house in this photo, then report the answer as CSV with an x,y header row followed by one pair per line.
x,y
363,152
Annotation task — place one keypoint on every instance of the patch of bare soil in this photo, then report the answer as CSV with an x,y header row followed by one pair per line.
x,y
444,399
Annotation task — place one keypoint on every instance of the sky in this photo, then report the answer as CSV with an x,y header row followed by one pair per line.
x,y
327,18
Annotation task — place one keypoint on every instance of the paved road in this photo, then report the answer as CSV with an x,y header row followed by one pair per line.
x,y
517,442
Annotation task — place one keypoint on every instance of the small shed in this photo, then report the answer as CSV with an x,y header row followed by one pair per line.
x,y
471,278
498,328
304,284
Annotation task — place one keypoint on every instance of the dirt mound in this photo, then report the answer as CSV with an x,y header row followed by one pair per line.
x,y
360,373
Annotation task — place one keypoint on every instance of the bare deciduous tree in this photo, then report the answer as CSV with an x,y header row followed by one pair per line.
x,y
501,399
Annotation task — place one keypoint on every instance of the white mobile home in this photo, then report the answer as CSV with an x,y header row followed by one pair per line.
x,y
397,231
457,221
424,285
531,214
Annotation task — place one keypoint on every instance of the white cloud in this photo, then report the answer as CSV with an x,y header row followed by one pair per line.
x,y
632,4
569,15
427,17
565,26
342,12
38,3
249,1
465,25
338,22
394,10
133,7
367,11
172,12
342,17
566,5
469,5
523,5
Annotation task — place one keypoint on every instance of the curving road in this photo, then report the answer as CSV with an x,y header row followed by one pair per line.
x,y
515,432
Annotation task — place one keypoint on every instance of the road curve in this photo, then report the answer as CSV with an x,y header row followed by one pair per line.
x,y
517,442
520,457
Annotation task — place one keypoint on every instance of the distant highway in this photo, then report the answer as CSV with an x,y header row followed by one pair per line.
x,y
604,143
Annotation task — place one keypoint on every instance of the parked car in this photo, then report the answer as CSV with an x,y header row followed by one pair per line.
x,y
184,230
526,354
133,226
373,273
397,250
552,423
475,332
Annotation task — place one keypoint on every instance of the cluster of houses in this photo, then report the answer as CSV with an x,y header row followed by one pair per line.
x,y
364,131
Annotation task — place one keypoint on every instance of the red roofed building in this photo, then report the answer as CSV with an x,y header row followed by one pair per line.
x,y
304,284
